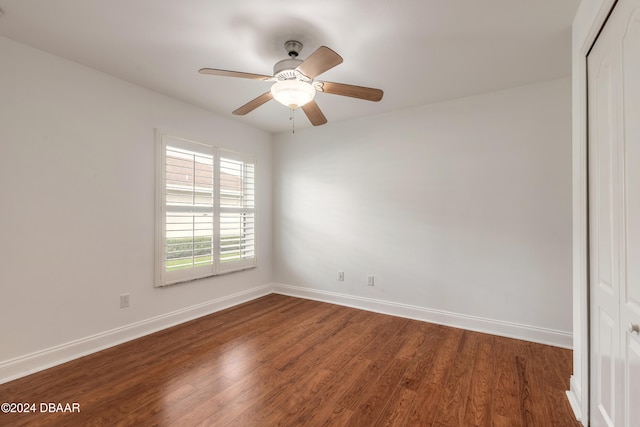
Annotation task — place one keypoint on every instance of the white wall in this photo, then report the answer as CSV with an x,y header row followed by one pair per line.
x,y
461,210
77,209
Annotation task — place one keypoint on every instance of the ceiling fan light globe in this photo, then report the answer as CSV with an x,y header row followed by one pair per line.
x,y
293,93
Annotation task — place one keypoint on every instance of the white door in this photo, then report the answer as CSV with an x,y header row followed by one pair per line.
x,y
614,218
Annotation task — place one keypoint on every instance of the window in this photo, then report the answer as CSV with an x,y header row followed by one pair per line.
x,y
205,210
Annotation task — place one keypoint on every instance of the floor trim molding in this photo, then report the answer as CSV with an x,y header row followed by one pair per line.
x,y
573,395
47,358
456,320
28,364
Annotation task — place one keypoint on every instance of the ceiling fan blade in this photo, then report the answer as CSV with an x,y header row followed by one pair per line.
x,y
253,104
361,92
321,60
313,113
227,73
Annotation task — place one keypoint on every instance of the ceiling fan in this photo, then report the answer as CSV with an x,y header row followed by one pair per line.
x,y
295,85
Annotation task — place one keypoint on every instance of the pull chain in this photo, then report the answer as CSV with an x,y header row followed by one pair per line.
x,y
292,117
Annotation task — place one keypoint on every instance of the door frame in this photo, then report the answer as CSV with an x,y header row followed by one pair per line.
x,y
589,21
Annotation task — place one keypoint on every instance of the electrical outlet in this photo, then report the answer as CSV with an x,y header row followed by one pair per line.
x,y
341,276
370,280
124,300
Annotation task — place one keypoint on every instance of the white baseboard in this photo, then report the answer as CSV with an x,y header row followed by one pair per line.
x,y
575,400
463,321
38,361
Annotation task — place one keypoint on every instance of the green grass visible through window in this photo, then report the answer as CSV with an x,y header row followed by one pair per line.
x,y
177,264
180,251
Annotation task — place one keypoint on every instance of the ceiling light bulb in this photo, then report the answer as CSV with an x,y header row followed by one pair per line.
x,y
293,93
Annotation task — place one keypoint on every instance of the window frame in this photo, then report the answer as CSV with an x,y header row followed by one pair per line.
x,y
163,277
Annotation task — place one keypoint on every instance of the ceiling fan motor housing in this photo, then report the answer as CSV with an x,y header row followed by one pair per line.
x,y
286,70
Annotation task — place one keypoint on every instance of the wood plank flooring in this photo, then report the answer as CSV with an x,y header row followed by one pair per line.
x,y
286,361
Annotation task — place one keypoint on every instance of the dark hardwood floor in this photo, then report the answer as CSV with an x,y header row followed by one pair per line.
x,y
286,361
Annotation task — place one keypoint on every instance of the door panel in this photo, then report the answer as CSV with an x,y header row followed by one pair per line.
x,y
605,362
631,151
614,218
604,80
630,280
633,387
602,169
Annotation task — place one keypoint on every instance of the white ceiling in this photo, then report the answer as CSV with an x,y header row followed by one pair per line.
x,y
417,51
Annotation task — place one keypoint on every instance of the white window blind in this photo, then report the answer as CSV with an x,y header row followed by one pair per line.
x,y
205,210
237,211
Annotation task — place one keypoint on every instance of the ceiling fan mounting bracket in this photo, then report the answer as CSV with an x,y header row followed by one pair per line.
x,y
293,48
